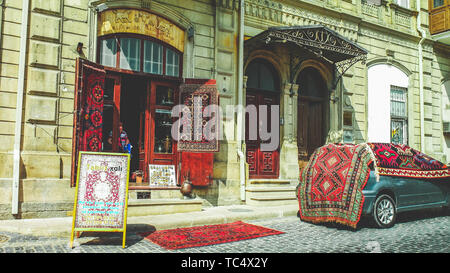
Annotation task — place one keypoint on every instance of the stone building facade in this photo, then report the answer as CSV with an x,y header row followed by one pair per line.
x,y
403,67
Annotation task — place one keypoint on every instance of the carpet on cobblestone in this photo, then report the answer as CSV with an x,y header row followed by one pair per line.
x,y
207,235
331,184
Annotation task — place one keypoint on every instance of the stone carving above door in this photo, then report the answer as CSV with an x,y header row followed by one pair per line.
x,y
280,13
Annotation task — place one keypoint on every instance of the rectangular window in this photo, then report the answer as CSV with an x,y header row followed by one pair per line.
x,y
130,49
153,57
399,115
108,52
438,3
172,63
403,3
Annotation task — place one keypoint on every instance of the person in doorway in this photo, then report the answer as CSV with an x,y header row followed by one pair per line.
x,y
124,142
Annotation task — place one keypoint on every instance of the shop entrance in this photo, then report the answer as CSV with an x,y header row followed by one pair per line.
x,y
311,120
143,107
133,105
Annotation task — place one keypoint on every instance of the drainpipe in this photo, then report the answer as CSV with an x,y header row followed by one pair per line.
x,y
19,105
2,7
422,39
240,116
92,24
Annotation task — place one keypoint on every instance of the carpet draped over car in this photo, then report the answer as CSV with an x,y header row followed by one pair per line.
x,y
331,184
402,160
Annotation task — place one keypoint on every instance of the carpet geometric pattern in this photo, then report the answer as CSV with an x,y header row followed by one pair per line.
x,y
330,188
402,160
207,235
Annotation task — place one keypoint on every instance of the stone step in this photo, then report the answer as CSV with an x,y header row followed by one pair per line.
x,y
261,192
269,182
272,200
144,207
270,189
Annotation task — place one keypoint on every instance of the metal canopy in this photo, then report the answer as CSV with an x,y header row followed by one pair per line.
x,y
323,42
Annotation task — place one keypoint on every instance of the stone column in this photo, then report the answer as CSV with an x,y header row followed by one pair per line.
x,y
288,133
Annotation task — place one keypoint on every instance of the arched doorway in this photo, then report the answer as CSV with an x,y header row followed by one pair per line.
x,y
263,87
139,71
312,112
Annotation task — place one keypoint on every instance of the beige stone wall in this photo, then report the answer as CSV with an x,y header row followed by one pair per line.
x,y
57,26
389,34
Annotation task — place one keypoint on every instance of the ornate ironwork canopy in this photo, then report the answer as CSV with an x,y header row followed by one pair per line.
x,y
323,42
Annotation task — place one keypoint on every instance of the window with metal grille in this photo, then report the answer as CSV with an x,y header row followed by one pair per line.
x,y
399,115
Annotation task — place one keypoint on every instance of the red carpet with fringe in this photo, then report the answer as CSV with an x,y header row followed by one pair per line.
x,y
207,235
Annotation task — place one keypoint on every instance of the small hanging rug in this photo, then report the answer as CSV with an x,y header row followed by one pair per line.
x,y
207,235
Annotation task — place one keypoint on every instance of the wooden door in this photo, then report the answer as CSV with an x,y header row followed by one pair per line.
x,y
262,164
310,124
111,113
311,116
163,149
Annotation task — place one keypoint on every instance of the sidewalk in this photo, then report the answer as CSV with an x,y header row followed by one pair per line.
x,y
61,227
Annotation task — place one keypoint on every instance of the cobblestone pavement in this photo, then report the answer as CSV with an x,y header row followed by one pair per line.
x,y
416,232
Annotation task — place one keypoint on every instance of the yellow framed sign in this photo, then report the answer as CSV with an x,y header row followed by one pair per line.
x,y
101,196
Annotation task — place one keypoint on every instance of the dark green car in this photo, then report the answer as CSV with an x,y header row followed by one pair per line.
x,y
391,195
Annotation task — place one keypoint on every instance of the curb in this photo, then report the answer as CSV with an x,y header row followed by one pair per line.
x,y
61,227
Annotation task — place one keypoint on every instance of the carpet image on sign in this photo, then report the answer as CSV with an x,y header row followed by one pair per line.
x,y
207,235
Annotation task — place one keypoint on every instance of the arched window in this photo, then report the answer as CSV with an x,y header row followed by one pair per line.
x,y
387,104
311,83
262,76
139,53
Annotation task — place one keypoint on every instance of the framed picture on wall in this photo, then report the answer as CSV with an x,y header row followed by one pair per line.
x,y
162,175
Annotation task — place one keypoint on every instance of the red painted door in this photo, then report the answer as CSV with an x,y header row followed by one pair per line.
x,y
262,164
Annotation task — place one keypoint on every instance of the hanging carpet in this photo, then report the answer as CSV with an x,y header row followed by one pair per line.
x,y
207,235
330,188
402,160
200,132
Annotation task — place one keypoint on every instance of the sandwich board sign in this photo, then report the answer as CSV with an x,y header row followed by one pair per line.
x,y
101,195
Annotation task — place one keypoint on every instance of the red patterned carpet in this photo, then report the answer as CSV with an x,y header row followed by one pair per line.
x,y
330,188
207,235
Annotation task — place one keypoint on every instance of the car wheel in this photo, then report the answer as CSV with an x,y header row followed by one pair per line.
x,y
384,213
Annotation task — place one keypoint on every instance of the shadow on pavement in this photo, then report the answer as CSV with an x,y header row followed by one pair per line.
x,y
422,215
115,238
409,216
